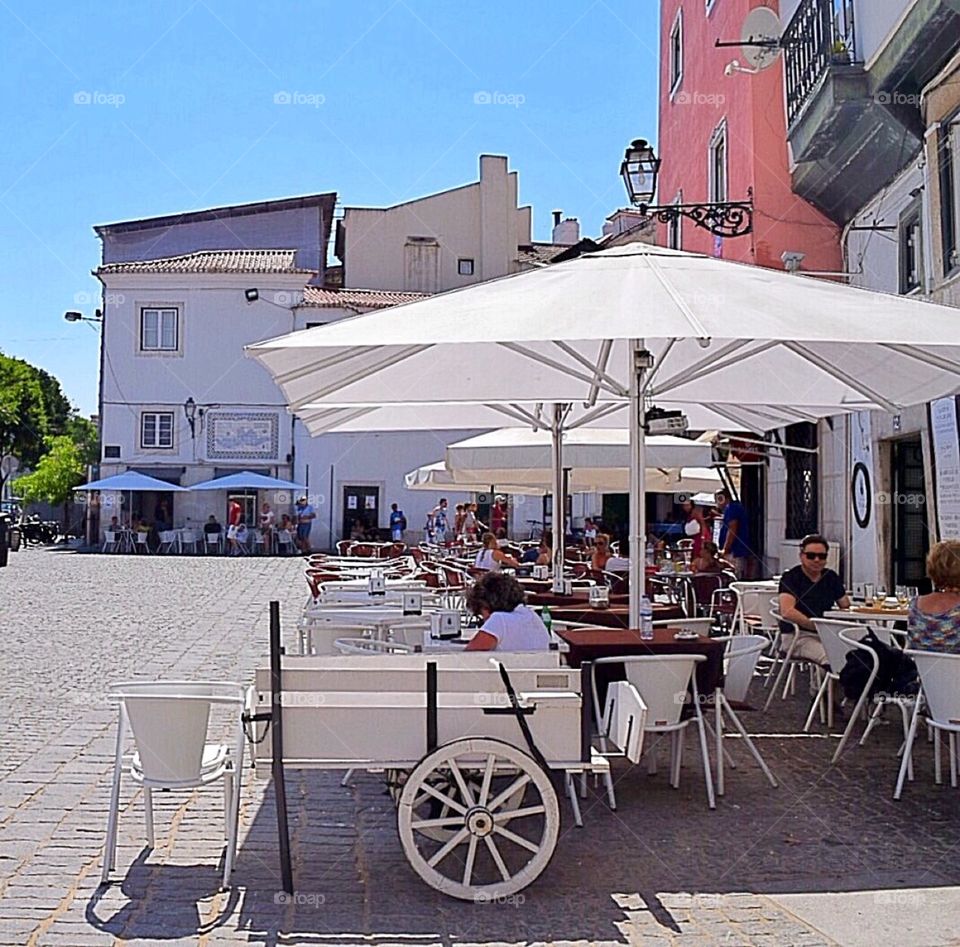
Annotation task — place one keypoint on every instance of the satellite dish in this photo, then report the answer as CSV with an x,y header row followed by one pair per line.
x,y
760,38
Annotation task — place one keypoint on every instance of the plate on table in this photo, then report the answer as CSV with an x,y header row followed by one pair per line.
x,y
686,636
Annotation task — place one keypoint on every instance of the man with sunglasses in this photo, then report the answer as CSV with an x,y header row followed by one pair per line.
x,y
806,592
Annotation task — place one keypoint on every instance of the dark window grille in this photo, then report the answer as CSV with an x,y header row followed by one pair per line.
x,y
803,513
911,255
948,221
820,33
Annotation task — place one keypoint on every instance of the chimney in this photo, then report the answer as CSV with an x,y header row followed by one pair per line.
x,y
557,214
566,233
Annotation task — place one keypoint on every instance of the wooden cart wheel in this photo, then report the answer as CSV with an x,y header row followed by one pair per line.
x,y
497,837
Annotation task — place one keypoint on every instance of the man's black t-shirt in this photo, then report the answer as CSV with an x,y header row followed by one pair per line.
x,y
813,598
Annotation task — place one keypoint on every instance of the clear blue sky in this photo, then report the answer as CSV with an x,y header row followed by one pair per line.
x,y
182,116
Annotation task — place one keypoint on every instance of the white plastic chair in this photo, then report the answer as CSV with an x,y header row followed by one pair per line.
x,y
939,697
662,680
169,721
213,542
785,660
111,541
141,542
255,541
740,663
168,541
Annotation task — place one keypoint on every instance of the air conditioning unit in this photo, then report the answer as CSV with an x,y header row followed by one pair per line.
x,y
790,554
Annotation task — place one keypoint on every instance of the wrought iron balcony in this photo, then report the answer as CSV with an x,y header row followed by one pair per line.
x,y
820,34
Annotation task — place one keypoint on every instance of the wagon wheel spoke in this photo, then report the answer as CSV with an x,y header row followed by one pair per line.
x,y
427,788
509,814
516,839
447,822
448,848
471,855
497,858
520,781
465,791
487,778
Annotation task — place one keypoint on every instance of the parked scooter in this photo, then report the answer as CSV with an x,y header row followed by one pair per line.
x,y
37,532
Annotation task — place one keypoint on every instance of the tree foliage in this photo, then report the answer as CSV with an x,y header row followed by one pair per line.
x,y
60,469
34,416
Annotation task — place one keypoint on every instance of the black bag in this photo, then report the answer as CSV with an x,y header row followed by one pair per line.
x,y
403,522
896,674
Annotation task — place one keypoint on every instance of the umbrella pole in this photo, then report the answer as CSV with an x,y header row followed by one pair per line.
x,y
639,362
559,500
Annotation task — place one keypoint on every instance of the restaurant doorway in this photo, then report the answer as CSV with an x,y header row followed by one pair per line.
x,y
911,541
361,510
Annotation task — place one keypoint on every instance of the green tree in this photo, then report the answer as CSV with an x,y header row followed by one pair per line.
x,y
24,422
61,468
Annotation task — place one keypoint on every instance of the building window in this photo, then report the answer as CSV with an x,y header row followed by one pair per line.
x,y
802,481
949,193
718,165
313,325
111,451
159,330
675,227
676,51
156,429
911,250
465,267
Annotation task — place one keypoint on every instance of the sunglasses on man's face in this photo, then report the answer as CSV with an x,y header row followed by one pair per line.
x,y
816,555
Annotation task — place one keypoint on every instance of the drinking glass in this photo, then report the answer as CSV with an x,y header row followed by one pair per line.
x,y
902,596
868,594
912,592
881,594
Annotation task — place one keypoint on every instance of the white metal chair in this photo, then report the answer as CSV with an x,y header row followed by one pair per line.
x,y
141,542
285,541
370,646
939,697
111,541
663,681
213,542
740,660
784,660
904,703
169,721
168,541
256,542
187,539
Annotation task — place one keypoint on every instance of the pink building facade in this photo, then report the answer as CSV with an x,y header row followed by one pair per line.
x,y
722,136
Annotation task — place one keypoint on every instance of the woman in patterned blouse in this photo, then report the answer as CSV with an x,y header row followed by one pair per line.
x,y
934,620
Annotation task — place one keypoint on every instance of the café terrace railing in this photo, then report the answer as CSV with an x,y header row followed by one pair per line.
x,y
820,34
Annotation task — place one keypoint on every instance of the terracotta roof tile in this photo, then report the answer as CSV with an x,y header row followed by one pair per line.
x,y
213,261
333,297
534,254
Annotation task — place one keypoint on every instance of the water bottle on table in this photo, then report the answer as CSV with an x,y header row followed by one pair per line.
x,y
547,619
646,619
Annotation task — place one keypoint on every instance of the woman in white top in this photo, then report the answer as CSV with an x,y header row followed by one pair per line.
x,y
492,558
508,624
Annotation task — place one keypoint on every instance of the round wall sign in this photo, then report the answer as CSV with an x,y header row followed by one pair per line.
x,y
862,495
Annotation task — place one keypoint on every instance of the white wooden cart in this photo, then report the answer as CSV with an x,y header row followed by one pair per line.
x,y
472,749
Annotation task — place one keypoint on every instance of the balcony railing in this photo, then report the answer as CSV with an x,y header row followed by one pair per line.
x,y
820,34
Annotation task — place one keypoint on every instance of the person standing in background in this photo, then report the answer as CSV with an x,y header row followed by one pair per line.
x,y
734,533
305,515
398,523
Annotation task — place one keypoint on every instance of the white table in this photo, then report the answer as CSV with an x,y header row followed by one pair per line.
x,y
379,619
867,618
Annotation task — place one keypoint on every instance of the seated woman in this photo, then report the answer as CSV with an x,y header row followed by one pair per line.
x,y
709,559
491,557
601,552
545,551
508,624
933,621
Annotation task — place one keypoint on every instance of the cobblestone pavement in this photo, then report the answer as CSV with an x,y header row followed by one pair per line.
x,y
826,858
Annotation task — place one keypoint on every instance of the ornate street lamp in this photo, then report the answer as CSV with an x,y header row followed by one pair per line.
x,y
639,171
190,410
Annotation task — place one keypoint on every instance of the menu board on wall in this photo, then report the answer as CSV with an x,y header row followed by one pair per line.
x,y
946,462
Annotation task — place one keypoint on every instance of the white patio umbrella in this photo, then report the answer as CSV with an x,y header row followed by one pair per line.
x,y
130,482
635,324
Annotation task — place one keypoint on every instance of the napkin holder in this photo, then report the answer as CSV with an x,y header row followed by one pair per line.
x,y
445,624
377,584
599,596
568,587
412,603
541,572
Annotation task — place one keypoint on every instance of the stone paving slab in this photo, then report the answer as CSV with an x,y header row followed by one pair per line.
x,y
827,858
